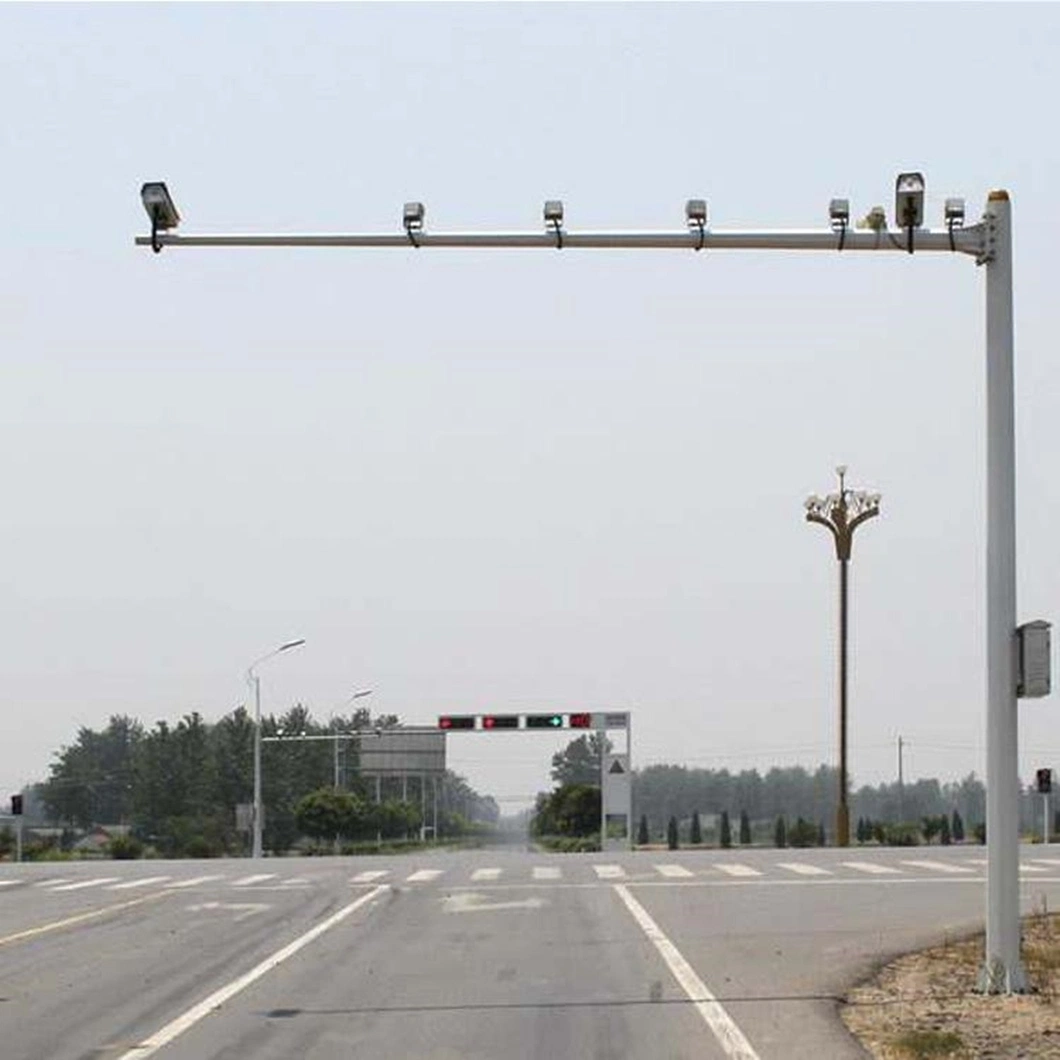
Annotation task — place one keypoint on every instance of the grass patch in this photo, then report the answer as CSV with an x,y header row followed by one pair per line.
x,y
920,1044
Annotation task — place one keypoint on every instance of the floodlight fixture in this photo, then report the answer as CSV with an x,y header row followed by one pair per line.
x,y
696,216
553,214
839,213
412,217
909,203
160,208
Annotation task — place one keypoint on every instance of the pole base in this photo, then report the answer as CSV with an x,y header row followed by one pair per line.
x,y
996,978
842,826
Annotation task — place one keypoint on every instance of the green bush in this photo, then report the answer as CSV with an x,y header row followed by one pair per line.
x,y
125,848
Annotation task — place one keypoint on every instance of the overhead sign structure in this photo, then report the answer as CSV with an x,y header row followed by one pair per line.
x,y
490,722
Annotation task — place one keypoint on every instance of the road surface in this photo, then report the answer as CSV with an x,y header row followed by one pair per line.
x,y
706,954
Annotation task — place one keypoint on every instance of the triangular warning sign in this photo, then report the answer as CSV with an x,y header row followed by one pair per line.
x,y
616,767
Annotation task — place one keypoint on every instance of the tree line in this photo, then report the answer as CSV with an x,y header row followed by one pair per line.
x,y
177,786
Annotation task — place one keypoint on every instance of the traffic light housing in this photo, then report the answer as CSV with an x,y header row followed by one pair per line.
x,y
544,721
500,721
456,721
1045,781
581,721
16,805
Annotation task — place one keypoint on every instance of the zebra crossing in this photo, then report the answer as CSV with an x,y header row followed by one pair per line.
x,y
576,871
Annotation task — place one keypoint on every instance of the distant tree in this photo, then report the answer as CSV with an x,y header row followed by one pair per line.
x,y
725,831
822,835
579,761
860,830
944,830
745,829
696,834
671,834
780,833
802,834
929,828
979,831
570,810
642,831
957,828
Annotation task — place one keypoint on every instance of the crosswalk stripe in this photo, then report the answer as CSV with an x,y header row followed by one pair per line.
x,y
673,871
1051,862
146,881
485,874
938,866
249,881
1033,868
52,882
423,876
803,869
731,868
193,882
82,884
10,883
546,872
610,872
369,875
871,867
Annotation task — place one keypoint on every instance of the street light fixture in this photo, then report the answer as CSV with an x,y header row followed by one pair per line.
x,y
255,683
988,243
349,699
160,208
842,513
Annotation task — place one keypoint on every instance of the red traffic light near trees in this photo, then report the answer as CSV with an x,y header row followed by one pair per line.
x,y
500,721
456,721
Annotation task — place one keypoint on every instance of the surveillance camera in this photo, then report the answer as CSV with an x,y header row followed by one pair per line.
x,y
413,215
696,211
554,212
909,200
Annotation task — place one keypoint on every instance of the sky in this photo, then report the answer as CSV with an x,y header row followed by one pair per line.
x,y
515,480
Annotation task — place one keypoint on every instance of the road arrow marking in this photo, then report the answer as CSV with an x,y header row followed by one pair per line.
x,y
470,902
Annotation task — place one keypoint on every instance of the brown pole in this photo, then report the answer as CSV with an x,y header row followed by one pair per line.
x,y
842,828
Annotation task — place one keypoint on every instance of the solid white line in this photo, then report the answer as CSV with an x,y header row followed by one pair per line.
x,y
871,867
734,869
610,872
937,866
145,882
729,1036
370,875
98,882
673,871
193,882
486,874
802,869
543,872
175,1028
248,881
423,876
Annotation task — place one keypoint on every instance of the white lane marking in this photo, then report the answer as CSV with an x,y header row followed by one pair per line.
x,y
1045,861
1033,868
10,883
735,869
673,871
546,872
249,881
193,882
369,875
802,869
870,867
80,918
82,884
423,876
53,882
486,874
173,1029
937,866
610,872
244,909
469,902
729,1036
146,881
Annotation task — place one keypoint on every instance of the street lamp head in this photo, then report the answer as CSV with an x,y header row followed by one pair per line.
x,y
841,470
291,644
159,205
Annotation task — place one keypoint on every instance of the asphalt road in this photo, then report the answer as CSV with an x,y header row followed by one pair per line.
x,y
719,954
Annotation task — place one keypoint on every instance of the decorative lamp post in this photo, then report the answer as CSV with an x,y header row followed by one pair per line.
x,y
842,513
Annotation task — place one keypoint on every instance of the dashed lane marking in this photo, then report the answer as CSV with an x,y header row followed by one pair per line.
x,y
249,881
369,875
673,872
939,866
486,874
546,872
871,868
610,872
423,876
99,881
193,882
145,881
735,869
803,869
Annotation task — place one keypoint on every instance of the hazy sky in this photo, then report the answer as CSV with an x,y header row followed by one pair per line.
x,y
514,480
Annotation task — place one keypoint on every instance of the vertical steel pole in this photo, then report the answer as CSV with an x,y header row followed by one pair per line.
x,y
843,810
18,839
1002,971
256,850
901,785
1045,818
335,741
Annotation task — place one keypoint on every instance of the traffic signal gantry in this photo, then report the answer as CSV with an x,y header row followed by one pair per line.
x,y
488,722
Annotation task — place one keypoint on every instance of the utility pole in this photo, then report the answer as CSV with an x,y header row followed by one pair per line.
x,y
901,786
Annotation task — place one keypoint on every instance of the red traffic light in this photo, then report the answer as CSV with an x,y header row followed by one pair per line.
x,y
581,721
500,721
456,721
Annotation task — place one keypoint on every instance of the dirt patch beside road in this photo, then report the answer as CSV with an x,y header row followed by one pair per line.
x,y
925,1004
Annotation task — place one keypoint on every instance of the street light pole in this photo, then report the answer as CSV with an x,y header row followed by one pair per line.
x,y
255,683
337,736
842,513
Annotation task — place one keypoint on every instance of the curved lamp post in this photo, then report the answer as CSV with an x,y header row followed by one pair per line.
x,y
255,683
842,513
